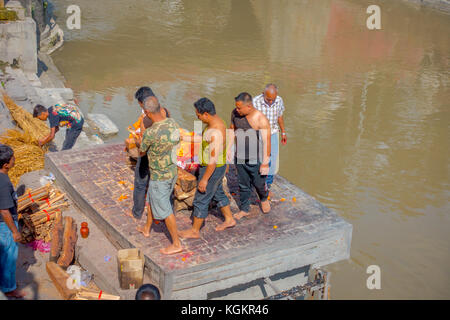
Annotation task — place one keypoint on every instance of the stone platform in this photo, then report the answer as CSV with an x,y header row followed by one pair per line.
x,y
295,234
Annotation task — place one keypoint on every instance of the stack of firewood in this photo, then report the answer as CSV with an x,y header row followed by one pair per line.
x,y
64,238
184,190
38,209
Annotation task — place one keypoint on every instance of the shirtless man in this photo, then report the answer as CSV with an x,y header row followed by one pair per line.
x,y
212,170
252,132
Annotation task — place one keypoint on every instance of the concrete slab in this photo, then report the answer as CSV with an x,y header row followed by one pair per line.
x,y
101,123
18,41
6,121
306,233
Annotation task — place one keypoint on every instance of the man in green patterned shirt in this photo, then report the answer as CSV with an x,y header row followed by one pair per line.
x,y
159,143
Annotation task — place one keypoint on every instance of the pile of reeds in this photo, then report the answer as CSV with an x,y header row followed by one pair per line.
x,y
28,155
36,128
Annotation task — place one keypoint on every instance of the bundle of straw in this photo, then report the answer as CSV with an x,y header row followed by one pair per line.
x,y
29,156
36,128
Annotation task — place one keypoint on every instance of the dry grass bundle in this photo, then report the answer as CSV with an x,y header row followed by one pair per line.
x,y
36,128
29,156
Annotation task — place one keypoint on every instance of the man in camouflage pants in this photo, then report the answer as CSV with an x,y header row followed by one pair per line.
x,y
157,143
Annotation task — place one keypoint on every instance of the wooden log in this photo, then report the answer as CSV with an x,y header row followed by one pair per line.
x,y
59,278
181,195
179,205
186,181
189,201
69,241
56,234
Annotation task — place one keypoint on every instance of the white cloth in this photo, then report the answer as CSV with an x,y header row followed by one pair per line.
x,y
272,112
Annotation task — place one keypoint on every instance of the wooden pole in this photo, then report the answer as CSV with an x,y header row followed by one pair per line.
x,y
59,278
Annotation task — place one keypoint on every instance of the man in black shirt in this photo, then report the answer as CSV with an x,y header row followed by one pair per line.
x,y
60,116
9,233
252,132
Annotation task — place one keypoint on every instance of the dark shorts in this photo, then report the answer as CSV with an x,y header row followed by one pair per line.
x,y
214,191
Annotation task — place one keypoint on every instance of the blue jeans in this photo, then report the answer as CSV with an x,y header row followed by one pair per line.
x,y
141,178
72,135
8,258
214,191
273,163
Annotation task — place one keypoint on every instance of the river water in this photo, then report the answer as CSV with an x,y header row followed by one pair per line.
x,y
367,111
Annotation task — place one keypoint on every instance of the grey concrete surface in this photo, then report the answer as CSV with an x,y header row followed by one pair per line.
x,y
18,41
6,121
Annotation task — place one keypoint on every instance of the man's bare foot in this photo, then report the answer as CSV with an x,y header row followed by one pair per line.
x,y
225,225
189,234
240,215
16,294
172,249
265,206
143,231
130,214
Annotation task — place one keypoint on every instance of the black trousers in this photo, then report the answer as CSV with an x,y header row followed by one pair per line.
x,y
249,177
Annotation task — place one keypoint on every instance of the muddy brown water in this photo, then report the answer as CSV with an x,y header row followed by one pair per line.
x,y
367,112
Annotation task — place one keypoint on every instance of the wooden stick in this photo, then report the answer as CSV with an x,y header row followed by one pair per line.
x,y
42,213
34,193
94,294
44,204
25,201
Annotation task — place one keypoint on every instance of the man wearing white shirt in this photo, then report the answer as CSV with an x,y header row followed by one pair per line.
x,y
271,104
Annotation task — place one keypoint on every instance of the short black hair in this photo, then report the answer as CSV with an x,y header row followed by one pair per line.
x,y
142,93
205,105
38,109
148,292
244,97
6,153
